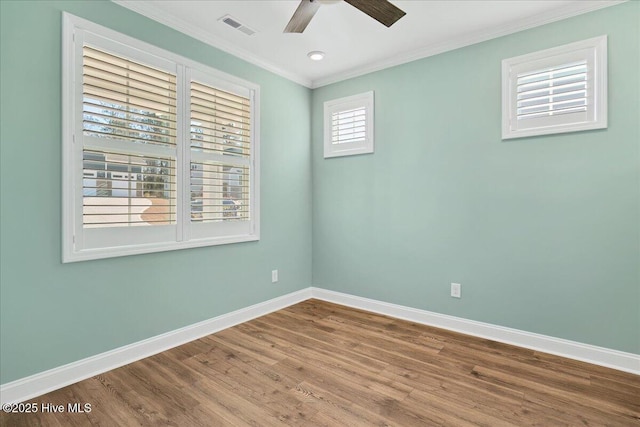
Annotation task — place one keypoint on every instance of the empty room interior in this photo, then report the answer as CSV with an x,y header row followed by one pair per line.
x,y
358,212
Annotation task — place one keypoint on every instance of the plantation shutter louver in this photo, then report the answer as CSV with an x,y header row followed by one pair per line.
x,y
129,142
220,155
555,90
348,126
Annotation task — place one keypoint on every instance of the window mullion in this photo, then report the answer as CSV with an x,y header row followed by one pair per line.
x,y
184,150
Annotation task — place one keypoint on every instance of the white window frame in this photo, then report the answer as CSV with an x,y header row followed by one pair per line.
x,y
81,243
594,52
365,100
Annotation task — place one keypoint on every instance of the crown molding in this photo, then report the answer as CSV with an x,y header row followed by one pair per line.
x,y
146,8
569,11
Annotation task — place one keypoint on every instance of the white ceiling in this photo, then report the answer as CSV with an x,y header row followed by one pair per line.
x,y
354,43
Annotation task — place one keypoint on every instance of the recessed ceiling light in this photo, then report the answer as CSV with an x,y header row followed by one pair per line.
x,y
316,55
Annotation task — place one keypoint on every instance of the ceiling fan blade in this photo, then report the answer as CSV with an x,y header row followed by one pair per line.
x,y
380,10
302,16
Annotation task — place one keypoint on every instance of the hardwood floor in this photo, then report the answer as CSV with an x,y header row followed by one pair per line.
x,y
317,363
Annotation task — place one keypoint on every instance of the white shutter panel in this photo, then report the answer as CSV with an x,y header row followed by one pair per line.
x,y
556,90
349,126
220,155
126,100
127,190
129,140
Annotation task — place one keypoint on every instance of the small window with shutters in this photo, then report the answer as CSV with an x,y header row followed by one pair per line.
x,y
348,125
160,152
563,89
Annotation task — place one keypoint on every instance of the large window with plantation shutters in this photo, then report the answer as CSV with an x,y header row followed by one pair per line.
x,y
160,152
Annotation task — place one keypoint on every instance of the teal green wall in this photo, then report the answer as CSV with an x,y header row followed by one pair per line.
x,y
53,314
542,233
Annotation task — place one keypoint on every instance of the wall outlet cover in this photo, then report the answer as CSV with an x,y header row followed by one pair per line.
x,y
456,291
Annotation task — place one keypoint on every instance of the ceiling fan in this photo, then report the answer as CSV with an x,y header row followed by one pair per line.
x,y
380,10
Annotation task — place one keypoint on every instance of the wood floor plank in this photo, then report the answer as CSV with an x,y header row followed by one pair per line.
x,y
308,346
340,383
265,388
334,410
599,408
412,347
322,364
623,393
561,380
455,411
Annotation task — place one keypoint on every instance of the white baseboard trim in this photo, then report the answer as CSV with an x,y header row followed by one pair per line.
x,y
53,379
627,362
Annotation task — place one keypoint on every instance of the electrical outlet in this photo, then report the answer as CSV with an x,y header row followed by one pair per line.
x,y
274,276
455,290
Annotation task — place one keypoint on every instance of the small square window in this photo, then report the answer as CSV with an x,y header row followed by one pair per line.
x,y
348,125
563,89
